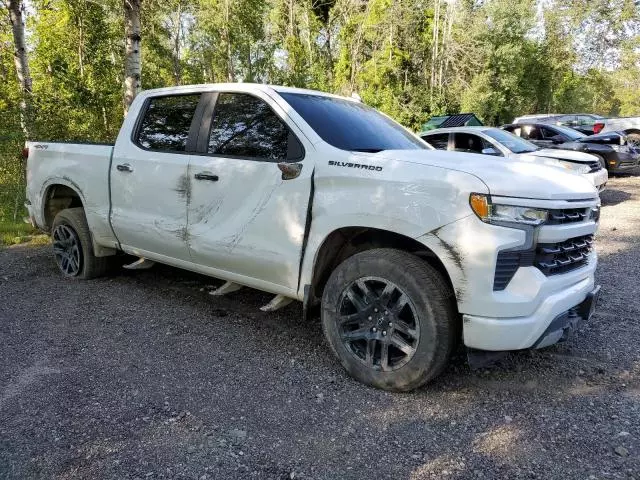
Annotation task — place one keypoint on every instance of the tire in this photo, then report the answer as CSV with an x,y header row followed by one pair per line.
x,y
73,249
389,297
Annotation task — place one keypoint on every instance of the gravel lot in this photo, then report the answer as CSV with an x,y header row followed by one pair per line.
x,y
145,375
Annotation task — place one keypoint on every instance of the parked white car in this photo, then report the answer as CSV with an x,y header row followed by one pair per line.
x,y
501,144
319,198
628,125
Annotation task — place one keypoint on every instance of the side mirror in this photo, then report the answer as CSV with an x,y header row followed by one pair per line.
x,y
557,139
490,151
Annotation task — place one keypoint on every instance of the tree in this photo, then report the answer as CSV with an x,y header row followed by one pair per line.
x,y
16,9
133,63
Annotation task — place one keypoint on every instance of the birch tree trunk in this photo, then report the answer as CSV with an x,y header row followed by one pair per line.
x,y
132,61
15,8
177,67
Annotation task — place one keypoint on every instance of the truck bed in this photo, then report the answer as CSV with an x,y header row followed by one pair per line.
x,y
83,167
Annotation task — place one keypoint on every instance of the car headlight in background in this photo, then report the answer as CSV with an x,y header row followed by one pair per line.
x,y
497,213
575,167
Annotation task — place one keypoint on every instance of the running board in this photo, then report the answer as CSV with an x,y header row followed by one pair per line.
x,y
278,302
228,287
140,264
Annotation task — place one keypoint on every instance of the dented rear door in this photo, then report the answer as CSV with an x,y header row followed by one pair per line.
x,y
150,185
251,185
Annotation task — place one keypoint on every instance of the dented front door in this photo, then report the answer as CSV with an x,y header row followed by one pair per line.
x,y
250,193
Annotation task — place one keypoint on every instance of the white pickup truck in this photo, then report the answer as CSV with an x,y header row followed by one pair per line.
x,y
321,199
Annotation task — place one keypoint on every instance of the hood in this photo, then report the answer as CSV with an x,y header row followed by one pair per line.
x,y
609,138
503,176
570,155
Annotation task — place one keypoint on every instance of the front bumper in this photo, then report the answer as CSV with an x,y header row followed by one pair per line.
x,y
621,162
551,323
516,315
598,178
563,326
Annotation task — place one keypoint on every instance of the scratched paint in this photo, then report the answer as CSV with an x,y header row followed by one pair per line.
x,y
183,187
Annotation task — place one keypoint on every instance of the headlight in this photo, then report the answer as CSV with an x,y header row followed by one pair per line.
x,y
575,167
496,213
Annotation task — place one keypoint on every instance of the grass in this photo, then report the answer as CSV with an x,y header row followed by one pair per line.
x,y
14,233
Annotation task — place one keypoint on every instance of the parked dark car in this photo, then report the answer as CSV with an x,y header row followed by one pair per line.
x,y
582,122
612,148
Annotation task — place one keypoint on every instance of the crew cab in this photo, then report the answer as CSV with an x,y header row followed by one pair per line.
x,y
321,199
496,142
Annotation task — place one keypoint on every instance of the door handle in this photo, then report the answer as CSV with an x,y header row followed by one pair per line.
x,y
125,167
206,176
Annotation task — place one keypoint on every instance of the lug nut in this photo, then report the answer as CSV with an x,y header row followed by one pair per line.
x,y
370,318
374,329
384,332
386,313
390,324
375,310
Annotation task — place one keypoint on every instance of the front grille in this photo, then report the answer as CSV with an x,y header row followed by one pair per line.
x,y
549,258
567,215
556,258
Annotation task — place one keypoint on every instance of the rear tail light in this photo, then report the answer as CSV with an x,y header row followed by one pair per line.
x,y
597,127
25,152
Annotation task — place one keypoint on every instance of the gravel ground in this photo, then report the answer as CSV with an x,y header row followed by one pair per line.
x,y
145,375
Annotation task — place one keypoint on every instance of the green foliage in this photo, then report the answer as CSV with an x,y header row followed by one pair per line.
x,y
410,58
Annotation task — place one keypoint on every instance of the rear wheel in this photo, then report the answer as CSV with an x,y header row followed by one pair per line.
x,y
389,318
72,247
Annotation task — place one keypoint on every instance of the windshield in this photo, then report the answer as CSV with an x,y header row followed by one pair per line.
x,y
511,141
570,132
351,125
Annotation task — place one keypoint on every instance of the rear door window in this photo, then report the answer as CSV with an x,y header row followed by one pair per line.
x,y
531,132
548,133
469,142
438,141
167,122
245,126
585,120
569,120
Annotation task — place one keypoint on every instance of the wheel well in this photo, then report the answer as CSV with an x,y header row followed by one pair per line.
x,y
57,198
345,242
632,130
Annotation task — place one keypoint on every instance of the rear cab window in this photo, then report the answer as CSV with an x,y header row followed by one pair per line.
x,y
166,123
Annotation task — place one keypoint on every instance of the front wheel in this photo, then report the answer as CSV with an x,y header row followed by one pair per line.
x,y
72,247
390,319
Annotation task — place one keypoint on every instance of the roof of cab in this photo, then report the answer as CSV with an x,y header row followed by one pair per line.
x,y
239,86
